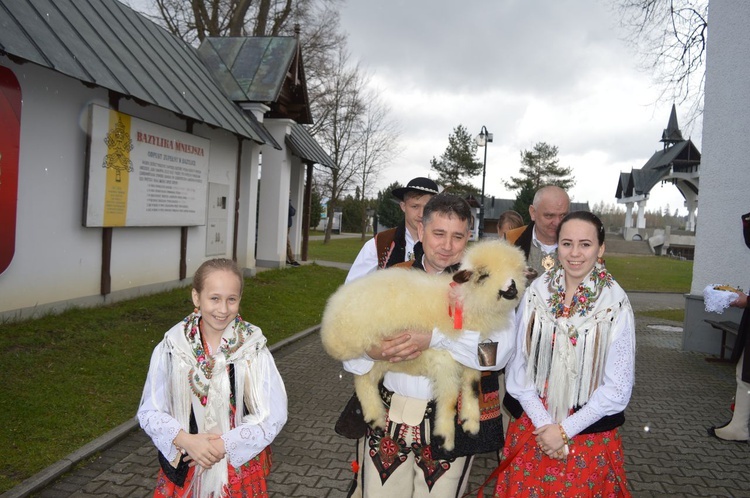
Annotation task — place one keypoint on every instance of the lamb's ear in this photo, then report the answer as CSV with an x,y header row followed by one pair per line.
x,y
463,276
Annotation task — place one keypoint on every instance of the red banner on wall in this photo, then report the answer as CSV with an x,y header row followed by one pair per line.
x,y
10,126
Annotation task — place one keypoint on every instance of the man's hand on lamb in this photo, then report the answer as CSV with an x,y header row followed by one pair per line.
x,y
406,346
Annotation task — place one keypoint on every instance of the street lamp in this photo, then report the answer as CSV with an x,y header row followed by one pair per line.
x,y
483,139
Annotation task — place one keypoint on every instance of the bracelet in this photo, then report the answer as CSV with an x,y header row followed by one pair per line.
x,y
566,439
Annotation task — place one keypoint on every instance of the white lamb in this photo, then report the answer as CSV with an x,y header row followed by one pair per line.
x,y
385,303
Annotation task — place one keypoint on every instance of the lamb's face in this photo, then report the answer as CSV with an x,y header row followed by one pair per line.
x,y
488,289
492,277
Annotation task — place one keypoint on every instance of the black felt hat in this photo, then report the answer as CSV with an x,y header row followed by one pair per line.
x,y
420,184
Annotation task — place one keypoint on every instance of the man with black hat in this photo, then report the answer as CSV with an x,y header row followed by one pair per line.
x,y
396,245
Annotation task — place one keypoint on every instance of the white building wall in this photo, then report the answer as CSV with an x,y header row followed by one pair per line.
x,y
297,197
248,210
720,253
275,185
51,244
57,261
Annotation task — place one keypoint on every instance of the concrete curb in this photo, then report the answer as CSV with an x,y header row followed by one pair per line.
x,y
54,471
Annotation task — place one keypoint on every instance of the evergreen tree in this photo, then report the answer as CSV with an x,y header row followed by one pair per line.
x,y
352,212
458,164
388,210
540,167
316,210
524,199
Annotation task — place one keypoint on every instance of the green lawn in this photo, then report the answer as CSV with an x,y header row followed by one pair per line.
x,y
650,273
71,378
674,315
633,273
343,250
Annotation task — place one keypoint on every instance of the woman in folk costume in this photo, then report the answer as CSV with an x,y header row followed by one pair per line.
x,y
571,376
213,400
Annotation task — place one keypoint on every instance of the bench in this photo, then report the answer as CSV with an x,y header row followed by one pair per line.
x,y
726,327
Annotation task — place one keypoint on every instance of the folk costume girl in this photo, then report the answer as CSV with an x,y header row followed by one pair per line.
x,y
213,400
571,376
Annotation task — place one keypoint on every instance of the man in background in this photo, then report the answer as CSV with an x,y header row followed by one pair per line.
x,y
538,239
396,245
289,253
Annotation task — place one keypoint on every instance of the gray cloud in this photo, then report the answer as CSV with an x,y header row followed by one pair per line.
x,y
529,70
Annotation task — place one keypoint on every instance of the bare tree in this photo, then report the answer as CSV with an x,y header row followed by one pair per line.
x,y
353,127
198,19
319,20
670,35
378,136
337,129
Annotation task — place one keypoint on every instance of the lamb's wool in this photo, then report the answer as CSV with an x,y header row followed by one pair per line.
x,y
383,304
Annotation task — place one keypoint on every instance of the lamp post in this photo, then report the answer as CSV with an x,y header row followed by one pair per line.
x,y
482,140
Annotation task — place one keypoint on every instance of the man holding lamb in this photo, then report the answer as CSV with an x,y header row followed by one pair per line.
x,y
399,461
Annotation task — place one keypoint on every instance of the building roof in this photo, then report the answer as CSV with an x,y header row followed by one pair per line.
x,y
680,157
677,156
304,146
107,44
672,133
264,69
493,207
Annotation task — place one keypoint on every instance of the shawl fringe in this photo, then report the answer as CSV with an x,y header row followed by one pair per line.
x,y
567,354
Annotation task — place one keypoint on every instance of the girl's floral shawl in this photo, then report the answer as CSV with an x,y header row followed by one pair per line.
x,y
200,383
567,347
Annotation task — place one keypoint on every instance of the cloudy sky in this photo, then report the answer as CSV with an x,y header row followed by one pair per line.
x,y
557,71
529,70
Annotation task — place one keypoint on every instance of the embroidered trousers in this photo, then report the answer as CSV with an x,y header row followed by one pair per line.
x,y
398,464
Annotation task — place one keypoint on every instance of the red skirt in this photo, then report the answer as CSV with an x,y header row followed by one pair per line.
x,y
594,467
248,480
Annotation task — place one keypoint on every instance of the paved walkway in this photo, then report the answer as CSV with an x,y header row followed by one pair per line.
x,y
677,395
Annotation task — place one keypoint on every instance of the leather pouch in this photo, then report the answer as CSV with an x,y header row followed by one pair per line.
x,y
351,423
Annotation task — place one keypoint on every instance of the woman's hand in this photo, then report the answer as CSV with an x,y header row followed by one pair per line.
x,y
550,441
405,346
203,449
218,445
740,302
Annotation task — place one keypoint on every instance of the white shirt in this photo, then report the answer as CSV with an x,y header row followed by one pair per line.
x,y
463,349
544,247
367,259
